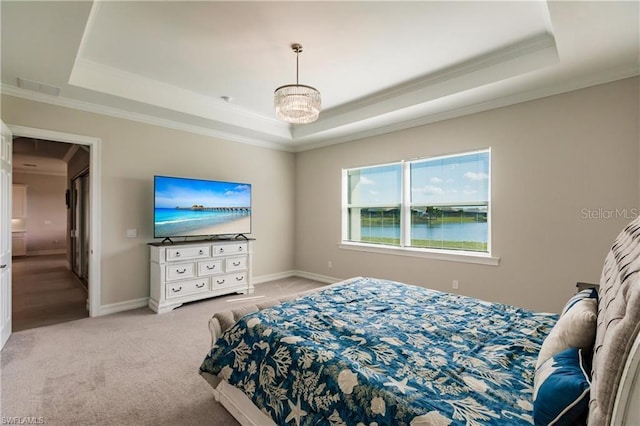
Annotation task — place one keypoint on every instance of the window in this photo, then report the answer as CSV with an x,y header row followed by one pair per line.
x,y
439,204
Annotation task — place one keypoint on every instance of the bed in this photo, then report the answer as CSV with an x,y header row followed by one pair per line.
x,y
370,351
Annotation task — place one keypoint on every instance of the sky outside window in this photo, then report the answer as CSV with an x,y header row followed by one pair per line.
x,y
376,185
451,180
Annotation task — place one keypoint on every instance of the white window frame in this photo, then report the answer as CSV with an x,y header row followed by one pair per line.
x,y
483,258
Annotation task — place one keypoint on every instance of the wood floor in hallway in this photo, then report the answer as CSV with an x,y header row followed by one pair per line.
x,y
45,292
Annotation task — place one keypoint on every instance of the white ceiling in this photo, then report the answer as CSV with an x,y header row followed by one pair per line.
x,y
35,156
380,66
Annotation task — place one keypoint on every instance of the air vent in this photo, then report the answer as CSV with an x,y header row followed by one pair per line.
x,y
23,83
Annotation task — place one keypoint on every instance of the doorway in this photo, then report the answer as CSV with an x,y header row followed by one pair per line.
x,y
50,274
94,212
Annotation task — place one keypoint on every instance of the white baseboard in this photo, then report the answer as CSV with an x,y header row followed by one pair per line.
x,y
272,277
317,277
294,273
139,303
123,306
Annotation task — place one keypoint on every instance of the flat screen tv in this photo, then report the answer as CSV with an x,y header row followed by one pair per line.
x,y
185,207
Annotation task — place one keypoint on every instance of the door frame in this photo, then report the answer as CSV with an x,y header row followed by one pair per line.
x,y
95,154
6,245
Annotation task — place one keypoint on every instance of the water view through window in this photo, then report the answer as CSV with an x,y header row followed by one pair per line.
x,y
446,208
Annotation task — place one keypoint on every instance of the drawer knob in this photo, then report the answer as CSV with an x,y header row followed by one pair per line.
x,y
221,250
175,290
239,248
240,278
201,252
177,254
200,285
211,268
220,281
181,271
236,263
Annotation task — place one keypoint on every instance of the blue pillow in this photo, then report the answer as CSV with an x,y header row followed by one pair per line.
x,y
589,293
561,389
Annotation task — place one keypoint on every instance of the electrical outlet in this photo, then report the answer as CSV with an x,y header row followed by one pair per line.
x,y
330,264
456,285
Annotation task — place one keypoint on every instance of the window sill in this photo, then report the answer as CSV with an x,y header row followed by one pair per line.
x,y
448,255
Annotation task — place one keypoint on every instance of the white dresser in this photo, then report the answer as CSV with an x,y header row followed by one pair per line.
x,y
184,272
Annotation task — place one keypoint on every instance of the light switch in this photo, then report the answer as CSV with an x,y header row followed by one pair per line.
x,y
132,233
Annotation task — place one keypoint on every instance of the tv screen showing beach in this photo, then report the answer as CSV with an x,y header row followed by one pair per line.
x,y
193,207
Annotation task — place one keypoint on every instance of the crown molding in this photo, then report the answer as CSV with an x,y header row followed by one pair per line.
x,y
116,82
141,118
610,75
314,141
539,43
528,55
100,77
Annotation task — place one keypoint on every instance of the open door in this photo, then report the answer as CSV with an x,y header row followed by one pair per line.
x,y
6,153
80,225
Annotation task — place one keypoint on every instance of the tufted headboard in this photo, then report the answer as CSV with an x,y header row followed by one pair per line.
x,y
616,350
221,321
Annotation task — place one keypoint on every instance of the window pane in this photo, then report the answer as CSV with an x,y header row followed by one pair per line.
x,y
375,225
375,185
449,202
450,227
451,180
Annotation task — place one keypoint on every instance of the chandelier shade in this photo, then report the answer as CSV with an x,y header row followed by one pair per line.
x,y
297,103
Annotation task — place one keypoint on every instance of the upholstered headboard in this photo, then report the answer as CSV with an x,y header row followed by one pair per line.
x,y
615,359
225,319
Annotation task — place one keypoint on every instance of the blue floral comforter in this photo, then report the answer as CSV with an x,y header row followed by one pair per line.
x,y
376,351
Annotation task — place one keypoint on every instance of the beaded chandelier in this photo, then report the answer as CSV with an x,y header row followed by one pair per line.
x,y
297,103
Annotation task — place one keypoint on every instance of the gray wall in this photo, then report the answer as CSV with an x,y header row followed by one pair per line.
x,y
132,153
551,158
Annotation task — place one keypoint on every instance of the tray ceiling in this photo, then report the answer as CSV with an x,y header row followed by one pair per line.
x,y
380,66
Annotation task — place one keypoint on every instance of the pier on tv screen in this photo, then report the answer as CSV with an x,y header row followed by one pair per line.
x,y
186,207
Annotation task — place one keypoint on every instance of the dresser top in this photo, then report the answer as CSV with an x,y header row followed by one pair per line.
x,y
205,241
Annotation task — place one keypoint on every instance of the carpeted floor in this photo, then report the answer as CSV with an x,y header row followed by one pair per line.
x,y
130,368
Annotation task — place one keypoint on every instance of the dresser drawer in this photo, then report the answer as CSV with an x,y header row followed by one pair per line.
x,y
210,267
235,264
180,271
229,249
229,280
184,288
179,253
